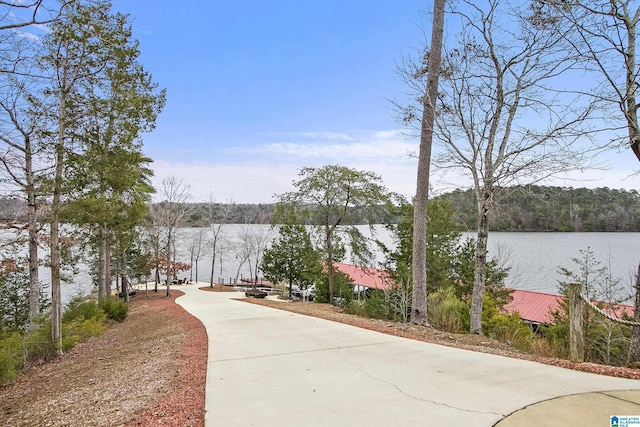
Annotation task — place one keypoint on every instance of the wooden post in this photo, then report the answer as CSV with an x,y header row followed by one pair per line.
x,y
576,337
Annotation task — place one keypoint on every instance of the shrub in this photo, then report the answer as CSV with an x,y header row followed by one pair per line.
x,y
446,311
376,306
38,344
510,328
81,329
356,307
115,310
81,308
11,356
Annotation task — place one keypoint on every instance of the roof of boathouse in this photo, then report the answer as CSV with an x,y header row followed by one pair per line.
x,y
369,277
536,307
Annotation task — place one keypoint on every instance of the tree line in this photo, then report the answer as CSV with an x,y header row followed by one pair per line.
x,y
542,208
523,208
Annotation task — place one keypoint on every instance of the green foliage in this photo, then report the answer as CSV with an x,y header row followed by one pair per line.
x,y
343,289
11,356
463,275
375,305
443,236
82,319
509,328
81,308
14,295
330,198
115,310
292,258
447,312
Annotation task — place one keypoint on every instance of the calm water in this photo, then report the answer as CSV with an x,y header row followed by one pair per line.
x,y
534,258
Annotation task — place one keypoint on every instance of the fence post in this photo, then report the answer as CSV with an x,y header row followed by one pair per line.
x,y
576,338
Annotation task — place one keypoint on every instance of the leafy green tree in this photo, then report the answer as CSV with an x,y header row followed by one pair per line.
x,y
333,198
292,258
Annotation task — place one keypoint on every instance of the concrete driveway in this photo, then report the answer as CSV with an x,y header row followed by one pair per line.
x,y
268,367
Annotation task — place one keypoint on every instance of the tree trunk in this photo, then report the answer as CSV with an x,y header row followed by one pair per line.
x,y
124,284
107,262
213,266
102,263
419,268
34,280
480,271
329,265
634,347
56,297
169,259
576,330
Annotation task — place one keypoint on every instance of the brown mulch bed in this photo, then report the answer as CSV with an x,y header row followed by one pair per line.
x,y
149,370
431,335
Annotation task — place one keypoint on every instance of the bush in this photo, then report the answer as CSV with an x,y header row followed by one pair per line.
x,y
115,310
447,312
376,306
356,307
81,308
79,330
11,356
510,328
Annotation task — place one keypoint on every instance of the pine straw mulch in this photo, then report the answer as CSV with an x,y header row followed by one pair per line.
x,y
431,335
149,370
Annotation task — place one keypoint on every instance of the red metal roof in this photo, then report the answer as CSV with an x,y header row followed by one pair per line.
x,y
366,276
537,307
534,306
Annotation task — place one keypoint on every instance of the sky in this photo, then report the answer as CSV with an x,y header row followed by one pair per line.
x,y
258,89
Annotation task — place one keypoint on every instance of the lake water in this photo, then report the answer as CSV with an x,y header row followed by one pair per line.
x,y
534,258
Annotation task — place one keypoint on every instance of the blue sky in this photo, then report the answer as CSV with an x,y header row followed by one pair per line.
x,y
258,89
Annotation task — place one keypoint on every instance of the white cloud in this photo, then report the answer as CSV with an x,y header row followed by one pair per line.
x,y
256,174
259,172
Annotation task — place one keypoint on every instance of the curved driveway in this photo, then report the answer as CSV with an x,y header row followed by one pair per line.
x,y
268,367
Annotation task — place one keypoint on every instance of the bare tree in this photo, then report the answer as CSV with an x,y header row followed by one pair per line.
x,y
21,161
197,249
171,212
501,118
19,14
217,215
604,34
252,242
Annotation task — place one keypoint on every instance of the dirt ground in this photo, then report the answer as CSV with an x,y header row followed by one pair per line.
x,y
150,370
